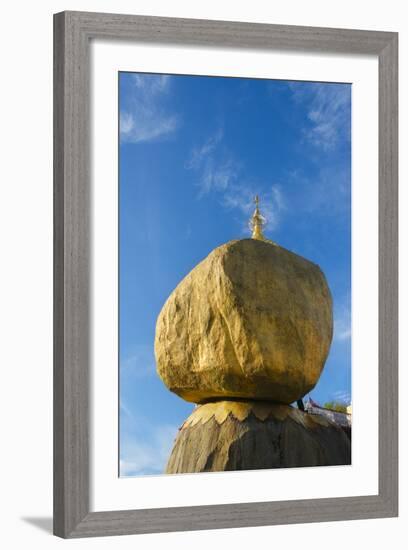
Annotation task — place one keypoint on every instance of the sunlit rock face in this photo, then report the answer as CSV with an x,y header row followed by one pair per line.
x,y
251,321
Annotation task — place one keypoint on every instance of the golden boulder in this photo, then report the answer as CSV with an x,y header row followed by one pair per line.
x,y
251,321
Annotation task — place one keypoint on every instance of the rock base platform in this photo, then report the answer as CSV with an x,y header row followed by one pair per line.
x,y
252,435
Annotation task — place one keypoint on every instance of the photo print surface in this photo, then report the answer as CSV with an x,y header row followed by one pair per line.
x,y
234,274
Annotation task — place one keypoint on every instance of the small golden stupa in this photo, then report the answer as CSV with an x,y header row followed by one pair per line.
x,y
257,222
245,334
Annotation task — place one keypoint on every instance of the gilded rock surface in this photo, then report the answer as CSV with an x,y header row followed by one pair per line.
x,y
227,435
251,321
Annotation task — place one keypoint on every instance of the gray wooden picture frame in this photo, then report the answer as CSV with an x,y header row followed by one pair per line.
x,y
72,34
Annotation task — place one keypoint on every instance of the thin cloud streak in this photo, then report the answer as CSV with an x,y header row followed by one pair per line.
x,y
343,396
219,173
328,193
200,154
328,111
139,363
342,322
147,455
145,446
145,119
343,334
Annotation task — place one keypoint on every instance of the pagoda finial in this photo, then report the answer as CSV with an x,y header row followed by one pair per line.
x,y
257,222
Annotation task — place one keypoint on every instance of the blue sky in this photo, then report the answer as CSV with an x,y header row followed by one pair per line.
x,y
193,153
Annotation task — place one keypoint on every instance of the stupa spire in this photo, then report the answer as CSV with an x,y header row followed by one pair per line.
x,y
257,222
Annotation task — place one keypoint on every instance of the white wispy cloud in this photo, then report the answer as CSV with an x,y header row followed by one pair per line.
x,y
216,169
328,110
151,84
148,453
201,153
342,332
342,322
144,117
139,363
218,177
220,173
327,192
343,396
125,411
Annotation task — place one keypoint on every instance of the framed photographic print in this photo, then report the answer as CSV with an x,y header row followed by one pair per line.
x,y
225,274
